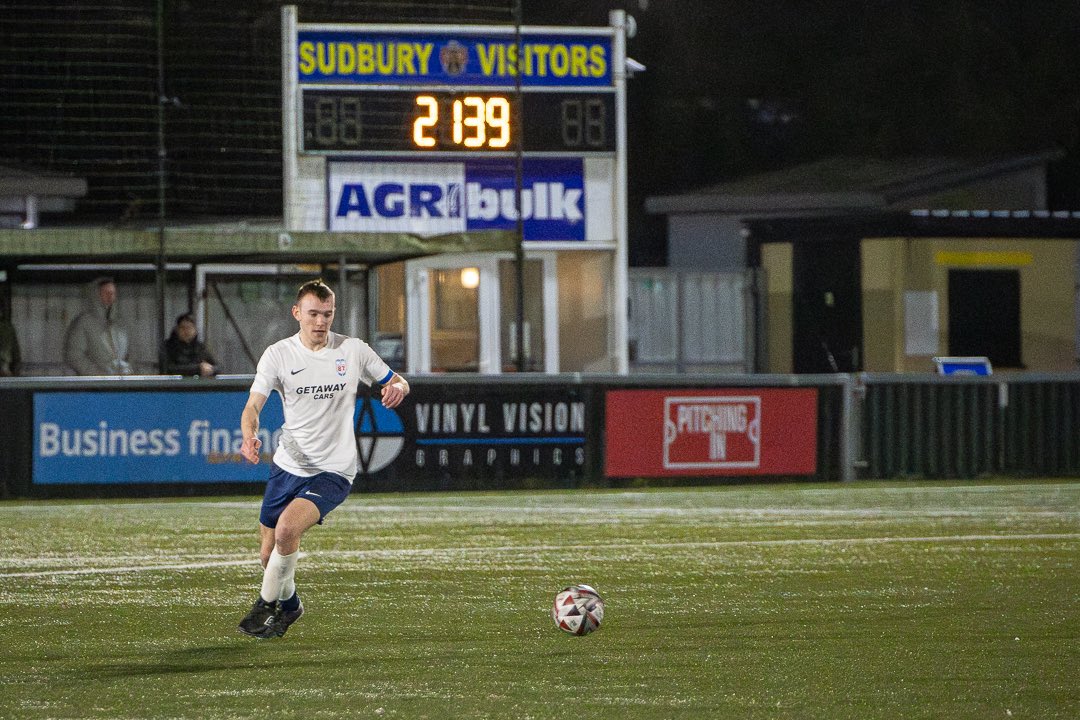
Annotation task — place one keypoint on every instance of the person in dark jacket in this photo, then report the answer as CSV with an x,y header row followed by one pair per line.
x,y
184,353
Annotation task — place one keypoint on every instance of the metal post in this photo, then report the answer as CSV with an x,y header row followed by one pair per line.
x,y
621,262
288,119
519,181
162,99
847,428
343,299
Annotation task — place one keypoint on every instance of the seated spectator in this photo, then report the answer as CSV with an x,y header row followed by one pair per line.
x,y
10,356
184,354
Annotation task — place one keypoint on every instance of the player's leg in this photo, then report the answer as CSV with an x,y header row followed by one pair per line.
x,y
278,580
297,518
257,621
266,543
316,499
281,488
278,583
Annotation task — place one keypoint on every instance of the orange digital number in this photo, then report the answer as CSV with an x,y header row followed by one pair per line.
x,y
428,120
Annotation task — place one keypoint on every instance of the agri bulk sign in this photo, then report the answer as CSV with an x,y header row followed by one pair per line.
x,y
452,196
743,431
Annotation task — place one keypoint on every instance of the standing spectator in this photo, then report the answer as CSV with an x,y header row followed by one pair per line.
x,y
184,354
97,342
10,356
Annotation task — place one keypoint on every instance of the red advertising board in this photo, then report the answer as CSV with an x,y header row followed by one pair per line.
x,y
731,431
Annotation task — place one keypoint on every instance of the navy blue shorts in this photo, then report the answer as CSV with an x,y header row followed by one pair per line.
x,y
326,490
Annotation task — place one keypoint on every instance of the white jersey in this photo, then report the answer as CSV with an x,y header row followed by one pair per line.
x,y
318,392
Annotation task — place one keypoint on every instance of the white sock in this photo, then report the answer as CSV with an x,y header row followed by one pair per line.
x,y
288,588
279,572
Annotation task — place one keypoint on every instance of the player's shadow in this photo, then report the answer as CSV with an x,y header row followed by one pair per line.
x,y
234,655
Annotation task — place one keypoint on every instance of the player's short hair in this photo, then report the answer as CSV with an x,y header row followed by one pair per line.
x,y
185,317
314,287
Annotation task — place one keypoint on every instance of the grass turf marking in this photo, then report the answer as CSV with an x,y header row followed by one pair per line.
x,y
480,550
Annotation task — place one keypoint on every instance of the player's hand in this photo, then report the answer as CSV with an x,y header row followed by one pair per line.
x,y
392,395
250,449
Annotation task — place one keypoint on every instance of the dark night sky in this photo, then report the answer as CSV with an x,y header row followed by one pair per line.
x,y
732,87
740,86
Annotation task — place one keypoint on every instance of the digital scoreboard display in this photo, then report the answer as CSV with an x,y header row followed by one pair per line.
x,y
418,120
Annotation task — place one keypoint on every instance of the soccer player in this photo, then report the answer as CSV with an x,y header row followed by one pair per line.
x,y
317,373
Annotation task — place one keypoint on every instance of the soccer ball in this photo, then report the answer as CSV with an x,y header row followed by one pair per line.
x,y
578,610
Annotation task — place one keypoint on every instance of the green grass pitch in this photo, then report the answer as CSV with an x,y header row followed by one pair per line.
x,y
865,600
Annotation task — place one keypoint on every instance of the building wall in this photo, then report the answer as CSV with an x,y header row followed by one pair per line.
x,y
776,262
895,267
881,261
706,241
585,311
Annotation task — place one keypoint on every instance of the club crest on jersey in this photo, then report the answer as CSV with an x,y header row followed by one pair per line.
x,y
340,362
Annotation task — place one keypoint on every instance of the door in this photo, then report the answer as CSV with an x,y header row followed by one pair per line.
x,y
462,314
827,312
533,357
451,319
984,315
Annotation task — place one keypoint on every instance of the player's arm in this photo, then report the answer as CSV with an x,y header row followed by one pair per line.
x,y
249,426
394,391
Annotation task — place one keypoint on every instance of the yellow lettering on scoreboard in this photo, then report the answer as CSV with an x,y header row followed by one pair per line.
x,y
322,59
317,59
557,60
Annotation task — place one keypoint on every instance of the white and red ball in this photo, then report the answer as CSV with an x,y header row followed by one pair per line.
x,y
578,610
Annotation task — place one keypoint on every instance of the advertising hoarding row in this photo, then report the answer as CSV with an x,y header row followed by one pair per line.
x,y
460,436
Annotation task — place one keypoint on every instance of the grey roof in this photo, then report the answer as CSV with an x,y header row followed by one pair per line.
x,y
22,182
235,243
843,183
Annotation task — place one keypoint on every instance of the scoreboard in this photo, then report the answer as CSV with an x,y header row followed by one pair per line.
x,y
438,130
439,120
421,90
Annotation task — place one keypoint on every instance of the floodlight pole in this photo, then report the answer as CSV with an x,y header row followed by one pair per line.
x,y
519,182
161,152
620,320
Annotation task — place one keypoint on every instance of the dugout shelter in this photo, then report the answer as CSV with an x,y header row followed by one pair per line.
x,y
238,277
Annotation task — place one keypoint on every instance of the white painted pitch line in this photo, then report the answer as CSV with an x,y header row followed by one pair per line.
x,y
44,560
518,549
639,511
424,502
131,568
422,552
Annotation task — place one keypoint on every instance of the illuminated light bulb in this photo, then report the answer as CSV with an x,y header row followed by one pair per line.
x,y
470,278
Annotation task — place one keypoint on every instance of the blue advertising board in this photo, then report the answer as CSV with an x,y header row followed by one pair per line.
x,y
463,57
146,437
175,437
